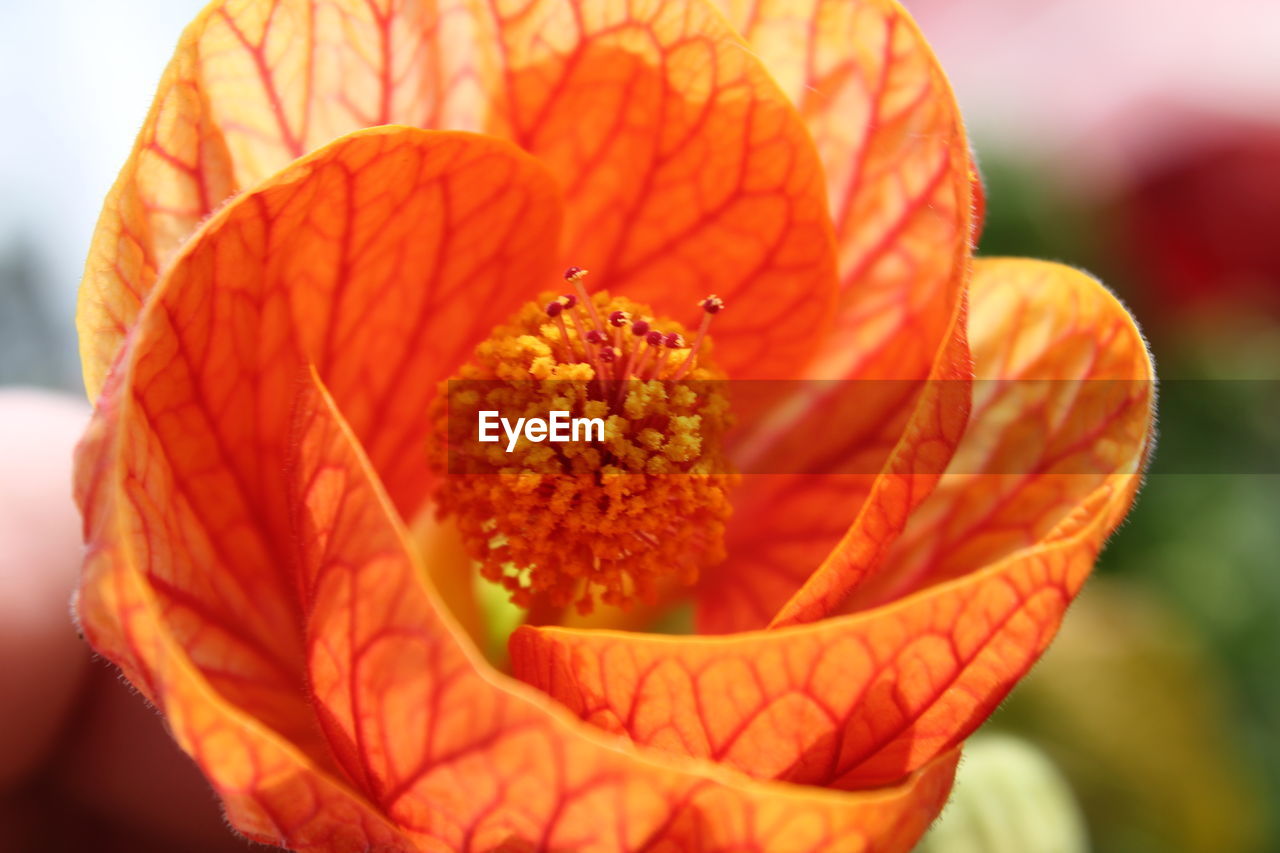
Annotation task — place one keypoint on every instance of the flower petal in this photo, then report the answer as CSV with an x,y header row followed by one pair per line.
x,y
270,788
1062,401
787,523
899,177
687,171
903,196
251,576
178,173
350,260
860,699
251,87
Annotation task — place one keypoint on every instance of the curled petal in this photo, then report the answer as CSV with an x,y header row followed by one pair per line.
x,y
936,421
1062,405
860,699
349,260
825,510
904,199
251,575
380,259
625,105
271,788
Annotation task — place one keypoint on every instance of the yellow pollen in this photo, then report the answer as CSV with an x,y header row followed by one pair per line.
x,y
612,520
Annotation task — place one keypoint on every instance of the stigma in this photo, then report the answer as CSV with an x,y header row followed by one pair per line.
x,y
616,519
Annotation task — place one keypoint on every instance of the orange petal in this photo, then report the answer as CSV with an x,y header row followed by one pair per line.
x,y
902,193
687,171
860,699
251,576
794,555
270,787
350,260
1062,402
179,171
252,87
826,511
402,252
897,166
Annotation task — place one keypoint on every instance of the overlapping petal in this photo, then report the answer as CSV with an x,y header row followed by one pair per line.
x,y
356,260
283,625
903,196
856,460
685,170
863,698
899,177
1063,399
271,788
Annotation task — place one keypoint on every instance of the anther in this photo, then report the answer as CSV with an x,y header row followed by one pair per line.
x,y
575,275
639,329
618,319
710,306
567,301
652,341
555,310
671,341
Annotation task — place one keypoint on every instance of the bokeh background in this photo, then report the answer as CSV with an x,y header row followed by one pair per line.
x,y
1138,139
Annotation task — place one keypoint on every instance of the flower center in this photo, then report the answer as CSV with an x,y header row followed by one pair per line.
x,y
616,513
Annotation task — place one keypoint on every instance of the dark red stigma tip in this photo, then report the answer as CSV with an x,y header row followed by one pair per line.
x,y
654,338
639,328
674,341
618,318
554,308
712,304
595,337
568,300
573,272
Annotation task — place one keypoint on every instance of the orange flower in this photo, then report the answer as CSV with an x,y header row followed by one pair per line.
x,y
290,265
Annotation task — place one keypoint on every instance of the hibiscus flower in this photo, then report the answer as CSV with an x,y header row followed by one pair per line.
x,y
334,208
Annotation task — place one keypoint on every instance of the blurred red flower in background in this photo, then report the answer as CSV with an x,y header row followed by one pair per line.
x,y
1200,230
1167,122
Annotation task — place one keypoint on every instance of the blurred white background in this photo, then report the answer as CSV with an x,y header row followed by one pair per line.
x,y
76,79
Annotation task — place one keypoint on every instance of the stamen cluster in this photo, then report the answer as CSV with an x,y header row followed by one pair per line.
x,y
612,520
